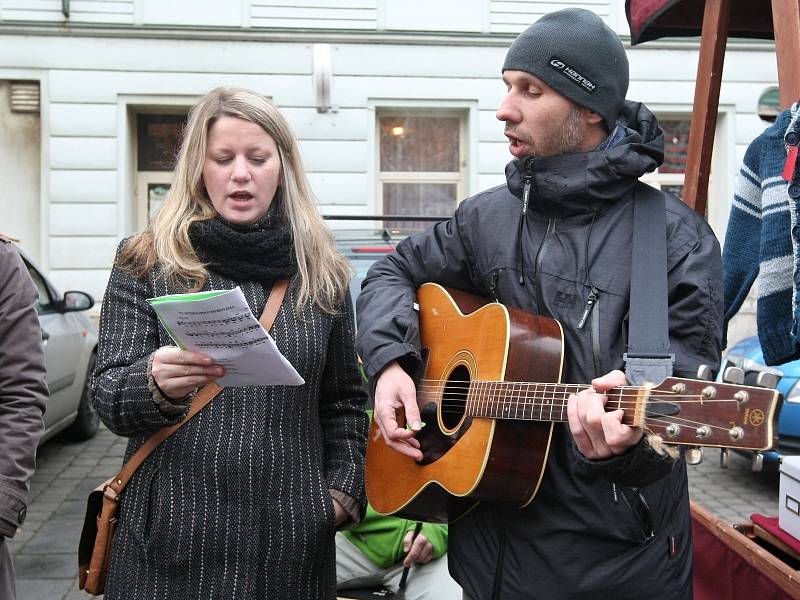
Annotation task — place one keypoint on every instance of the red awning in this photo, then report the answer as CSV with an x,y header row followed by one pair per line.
x,y
653,19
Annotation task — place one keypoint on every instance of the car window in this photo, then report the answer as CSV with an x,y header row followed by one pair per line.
x,y
45,304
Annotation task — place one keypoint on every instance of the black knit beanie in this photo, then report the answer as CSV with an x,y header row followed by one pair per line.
x,y
579,56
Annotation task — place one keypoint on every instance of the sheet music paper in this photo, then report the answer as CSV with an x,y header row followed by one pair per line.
x,y
221,325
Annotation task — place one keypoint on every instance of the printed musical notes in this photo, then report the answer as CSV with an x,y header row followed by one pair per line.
x,y
221,325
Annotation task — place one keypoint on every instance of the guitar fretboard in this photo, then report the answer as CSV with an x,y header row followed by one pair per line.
x,y
538,401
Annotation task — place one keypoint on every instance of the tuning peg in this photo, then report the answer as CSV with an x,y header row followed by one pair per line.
x,y
703,432
693,455
758,462
767,380
704,372
733,375
723,458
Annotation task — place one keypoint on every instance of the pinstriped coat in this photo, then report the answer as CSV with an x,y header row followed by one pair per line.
x,y
236,504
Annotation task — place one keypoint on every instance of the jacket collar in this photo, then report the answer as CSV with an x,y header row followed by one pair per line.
x,y
573,184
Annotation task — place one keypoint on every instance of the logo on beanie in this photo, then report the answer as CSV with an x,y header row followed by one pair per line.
x,y
571,74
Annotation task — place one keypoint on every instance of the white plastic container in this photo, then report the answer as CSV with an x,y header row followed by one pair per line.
x,y
789,507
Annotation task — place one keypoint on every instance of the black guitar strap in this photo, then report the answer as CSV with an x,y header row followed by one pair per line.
x,y
648,359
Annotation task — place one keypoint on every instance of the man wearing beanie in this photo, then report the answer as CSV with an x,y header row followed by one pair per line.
x,y
611,516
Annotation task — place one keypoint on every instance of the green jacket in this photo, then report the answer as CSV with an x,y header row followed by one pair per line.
x,y
380,538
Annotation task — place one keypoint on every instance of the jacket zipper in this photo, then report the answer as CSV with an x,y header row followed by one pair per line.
x,y
644,519
593,294
526,190
493,285
598,357
551,226
497,589
526,197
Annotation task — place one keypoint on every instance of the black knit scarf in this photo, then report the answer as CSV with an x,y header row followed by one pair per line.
x,y
262,251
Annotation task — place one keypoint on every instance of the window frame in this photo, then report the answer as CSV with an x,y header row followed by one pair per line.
x,y
460,178
656,179
145,178
37,277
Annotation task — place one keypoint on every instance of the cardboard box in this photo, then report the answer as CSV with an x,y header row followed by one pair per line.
x,y
789,499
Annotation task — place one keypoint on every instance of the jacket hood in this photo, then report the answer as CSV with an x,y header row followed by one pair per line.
x,y
782,123
572,183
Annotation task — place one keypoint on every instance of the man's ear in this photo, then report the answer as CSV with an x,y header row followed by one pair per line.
x,y
592,118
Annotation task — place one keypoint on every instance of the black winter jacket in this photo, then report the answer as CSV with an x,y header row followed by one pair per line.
x,y
618,528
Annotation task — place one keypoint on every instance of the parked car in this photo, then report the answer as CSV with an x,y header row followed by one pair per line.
x,y
747,355
364,246
70,344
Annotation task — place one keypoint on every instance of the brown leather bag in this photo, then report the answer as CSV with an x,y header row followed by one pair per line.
x,y
102,507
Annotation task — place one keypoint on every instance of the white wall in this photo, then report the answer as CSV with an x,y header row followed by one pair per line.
x,y
93,78
487,16
81,11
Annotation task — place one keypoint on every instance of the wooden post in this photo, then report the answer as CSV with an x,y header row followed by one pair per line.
x,y
786,21
706,102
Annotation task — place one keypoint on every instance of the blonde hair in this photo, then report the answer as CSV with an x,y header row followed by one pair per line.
x,y
323,273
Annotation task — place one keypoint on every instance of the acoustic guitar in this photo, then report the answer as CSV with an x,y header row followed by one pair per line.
x,y
491,395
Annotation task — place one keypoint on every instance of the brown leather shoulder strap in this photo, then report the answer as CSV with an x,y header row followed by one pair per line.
x,y
206,394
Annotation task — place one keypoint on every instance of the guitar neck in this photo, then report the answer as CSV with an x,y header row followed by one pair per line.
x,y
525,401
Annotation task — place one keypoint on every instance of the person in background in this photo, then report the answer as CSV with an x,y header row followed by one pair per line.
x,y
242,502
380,548
23,393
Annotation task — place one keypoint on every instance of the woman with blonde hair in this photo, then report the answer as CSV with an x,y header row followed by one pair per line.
x,y
243,501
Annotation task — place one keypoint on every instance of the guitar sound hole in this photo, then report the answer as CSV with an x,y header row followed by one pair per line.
x,y
454,398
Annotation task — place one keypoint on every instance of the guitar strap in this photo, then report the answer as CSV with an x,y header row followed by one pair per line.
x,y
648,359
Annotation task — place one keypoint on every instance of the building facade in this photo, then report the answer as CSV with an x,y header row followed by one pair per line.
x,y
393,102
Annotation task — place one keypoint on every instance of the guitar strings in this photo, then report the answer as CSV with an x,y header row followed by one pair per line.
x,y
466,386
655,421
454,396
453,406
534,388
650,422
564,396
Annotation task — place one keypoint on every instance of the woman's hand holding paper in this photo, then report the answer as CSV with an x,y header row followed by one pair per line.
x,y
178,372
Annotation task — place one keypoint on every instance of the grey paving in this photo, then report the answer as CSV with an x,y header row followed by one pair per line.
x,y
45,547
733,493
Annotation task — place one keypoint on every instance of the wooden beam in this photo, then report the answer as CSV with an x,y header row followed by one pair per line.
x,y
786,21
706,102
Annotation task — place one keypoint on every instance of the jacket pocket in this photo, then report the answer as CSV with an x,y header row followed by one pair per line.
x,y
12,507
640,510
137,510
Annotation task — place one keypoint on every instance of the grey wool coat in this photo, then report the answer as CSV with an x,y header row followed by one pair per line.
x,y
236,504
23,394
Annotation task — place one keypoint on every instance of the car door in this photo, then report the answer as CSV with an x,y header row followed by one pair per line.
x,y
62,339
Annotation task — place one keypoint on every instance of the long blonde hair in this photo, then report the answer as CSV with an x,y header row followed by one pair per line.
x,y
323,273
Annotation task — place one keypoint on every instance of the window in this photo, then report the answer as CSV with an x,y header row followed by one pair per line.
x,y
45,303
670,175
158,138
769,105
422,167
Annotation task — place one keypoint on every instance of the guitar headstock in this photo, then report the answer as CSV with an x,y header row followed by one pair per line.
x,y
707,413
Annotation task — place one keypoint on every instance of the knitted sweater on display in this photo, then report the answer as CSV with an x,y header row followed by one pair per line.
x,y
761,241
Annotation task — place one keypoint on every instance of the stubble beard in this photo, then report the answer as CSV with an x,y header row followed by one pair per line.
x,y
566,139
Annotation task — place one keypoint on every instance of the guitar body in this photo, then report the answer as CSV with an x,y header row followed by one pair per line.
x,y
467,459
